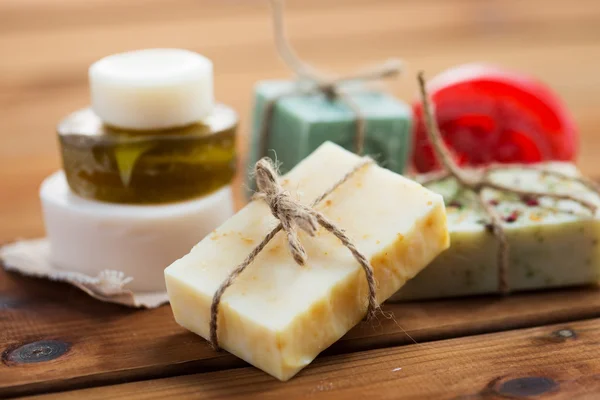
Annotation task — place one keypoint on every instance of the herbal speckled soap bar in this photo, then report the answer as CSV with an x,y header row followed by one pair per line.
x,y
551,243
301,123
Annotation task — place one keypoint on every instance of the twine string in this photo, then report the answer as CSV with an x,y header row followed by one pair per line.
x,y
314,81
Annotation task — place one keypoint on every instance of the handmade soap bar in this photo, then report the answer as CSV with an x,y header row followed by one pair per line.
x,y
152,89
89,236
551,243
121,166
278,315
301,123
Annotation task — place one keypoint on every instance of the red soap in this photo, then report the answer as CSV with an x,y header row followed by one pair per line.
x,y
490,115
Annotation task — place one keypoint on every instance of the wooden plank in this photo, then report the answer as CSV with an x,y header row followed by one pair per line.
x,y
64,51
553,362
93,343
254,48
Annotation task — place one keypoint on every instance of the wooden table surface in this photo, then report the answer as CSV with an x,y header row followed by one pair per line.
x,y
57,343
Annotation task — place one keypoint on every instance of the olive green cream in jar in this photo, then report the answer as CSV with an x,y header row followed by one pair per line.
x,y
150,166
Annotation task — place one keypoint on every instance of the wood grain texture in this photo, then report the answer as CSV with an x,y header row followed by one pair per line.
x,y
48,45
550,362
105,343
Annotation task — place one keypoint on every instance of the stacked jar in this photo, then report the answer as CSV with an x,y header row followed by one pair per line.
x,y
146,169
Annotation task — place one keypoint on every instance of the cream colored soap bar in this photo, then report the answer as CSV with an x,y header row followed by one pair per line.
x,y
278,315
548,248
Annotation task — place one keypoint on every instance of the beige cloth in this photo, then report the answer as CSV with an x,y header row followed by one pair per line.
x,y
31,258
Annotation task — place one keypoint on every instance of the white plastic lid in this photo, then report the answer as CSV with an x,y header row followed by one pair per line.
x,y
152,89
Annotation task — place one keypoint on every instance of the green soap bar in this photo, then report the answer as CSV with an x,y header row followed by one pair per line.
x,y
301,123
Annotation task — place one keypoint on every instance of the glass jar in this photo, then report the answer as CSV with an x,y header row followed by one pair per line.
x,y
148,167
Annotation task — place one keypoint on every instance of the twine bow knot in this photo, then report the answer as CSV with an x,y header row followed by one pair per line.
x,y
291,213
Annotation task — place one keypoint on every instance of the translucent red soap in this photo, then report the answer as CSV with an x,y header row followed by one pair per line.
x,y
487,115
